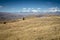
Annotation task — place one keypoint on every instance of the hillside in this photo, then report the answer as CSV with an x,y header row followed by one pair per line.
x,y
42,28
5,16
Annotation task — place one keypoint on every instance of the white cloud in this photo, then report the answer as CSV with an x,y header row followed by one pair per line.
x,y
45,11
24,8
29,8
38,8
34,10
59,10
53,9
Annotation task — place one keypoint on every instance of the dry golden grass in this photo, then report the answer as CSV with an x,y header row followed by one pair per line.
x,y
43,28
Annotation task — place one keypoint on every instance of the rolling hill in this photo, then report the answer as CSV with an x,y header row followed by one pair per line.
x,y
43,28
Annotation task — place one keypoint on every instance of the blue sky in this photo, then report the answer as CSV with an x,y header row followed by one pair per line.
x,y
18,5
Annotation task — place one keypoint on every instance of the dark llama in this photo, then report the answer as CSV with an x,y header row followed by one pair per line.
x,y
4,22
23,18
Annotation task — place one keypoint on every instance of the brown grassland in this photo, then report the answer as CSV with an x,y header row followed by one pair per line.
x,y
43,28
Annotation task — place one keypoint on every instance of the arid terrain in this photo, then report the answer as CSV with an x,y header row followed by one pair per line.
x,y
37,28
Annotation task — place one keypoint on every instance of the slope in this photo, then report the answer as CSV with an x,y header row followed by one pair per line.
x,y
43,28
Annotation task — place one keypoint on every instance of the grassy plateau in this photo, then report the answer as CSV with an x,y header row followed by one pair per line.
x,y
41,28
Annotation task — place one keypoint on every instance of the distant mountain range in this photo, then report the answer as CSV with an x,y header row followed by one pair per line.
x,y
9,16
18,15
40,13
